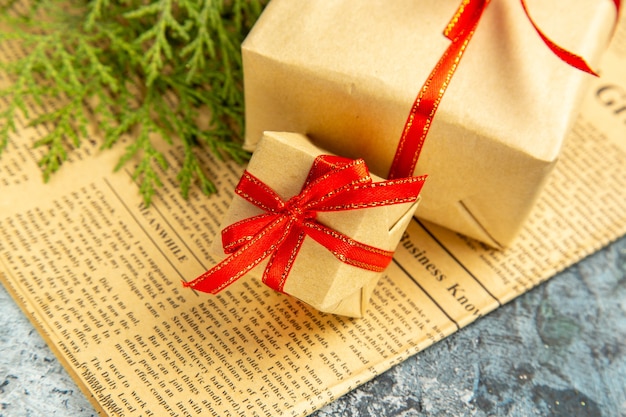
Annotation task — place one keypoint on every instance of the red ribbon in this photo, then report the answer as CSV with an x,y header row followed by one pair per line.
x,y
459,31
333,184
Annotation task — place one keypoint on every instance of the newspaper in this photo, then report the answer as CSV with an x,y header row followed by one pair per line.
x,y
99,274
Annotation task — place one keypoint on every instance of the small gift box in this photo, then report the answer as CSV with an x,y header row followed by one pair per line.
x,y
345,73
319,227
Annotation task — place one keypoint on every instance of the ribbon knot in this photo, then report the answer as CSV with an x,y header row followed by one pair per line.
x,y
333,184
296,213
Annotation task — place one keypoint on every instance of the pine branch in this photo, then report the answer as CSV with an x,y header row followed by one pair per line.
x,y
191,170
157,35
148,69
68,126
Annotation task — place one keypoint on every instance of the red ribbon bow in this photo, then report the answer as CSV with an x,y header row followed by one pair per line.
x,y
333,184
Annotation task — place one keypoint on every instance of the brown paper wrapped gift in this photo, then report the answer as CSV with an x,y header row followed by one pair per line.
x,y
282,161
346,73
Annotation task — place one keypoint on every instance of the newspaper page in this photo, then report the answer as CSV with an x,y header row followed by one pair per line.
x,y
99,274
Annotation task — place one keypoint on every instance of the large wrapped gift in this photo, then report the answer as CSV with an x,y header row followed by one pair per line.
x,y
319,227
346,72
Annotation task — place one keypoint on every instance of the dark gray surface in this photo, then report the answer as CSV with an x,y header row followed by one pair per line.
x,y
559,350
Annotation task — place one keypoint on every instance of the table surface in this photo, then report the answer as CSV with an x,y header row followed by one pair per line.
x,y
559,350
